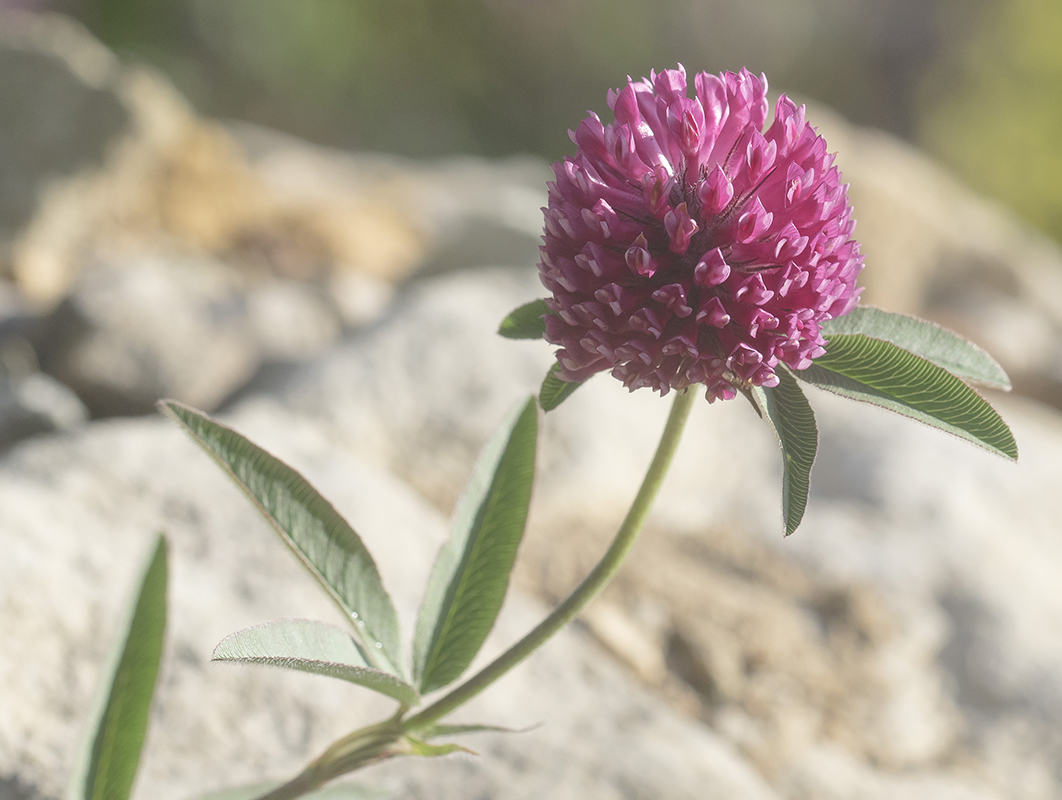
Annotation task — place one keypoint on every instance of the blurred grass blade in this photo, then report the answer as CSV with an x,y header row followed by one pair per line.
x,y
946,349
310,646
790,414
108,761
471,574
879,372
555,391
324,542
526,322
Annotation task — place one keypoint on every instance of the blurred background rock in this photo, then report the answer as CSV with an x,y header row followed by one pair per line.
x,y
111,162
310,216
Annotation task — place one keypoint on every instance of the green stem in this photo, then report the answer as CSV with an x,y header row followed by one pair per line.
x,y
386,739
597,580
358,749
303,783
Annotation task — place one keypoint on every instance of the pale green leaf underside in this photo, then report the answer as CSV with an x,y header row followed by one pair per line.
x,y
525,322
339,791
957,355
793,421
879,372
110,754
554,391
315,647
324,542
471,574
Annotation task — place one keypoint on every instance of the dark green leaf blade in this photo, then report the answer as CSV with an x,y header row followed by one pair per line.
x,y
315,647
323,541
107,765
793,421
525,322
555,391
471,574
879,372
946,349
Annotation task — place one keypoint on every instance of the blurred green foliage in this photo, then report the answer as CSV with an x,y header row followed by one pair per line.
x,y
492,77
992,107
977,82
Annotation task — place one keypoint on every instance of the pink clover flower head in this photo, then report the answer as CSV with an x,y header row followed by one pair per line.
x,y
687,243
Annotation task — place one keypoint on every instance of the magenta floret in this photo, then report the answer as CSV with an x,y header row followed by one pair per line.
x,y
686,244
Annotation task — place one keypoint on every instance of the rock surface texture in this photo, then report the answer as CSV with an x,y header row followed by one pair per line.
x,y
905,644
63,588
